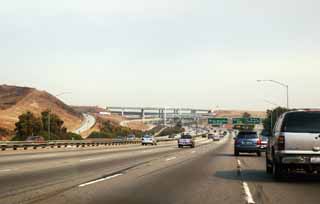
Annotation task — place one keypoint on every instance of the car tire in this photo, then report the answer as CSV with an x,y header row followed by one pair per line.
x,y
259,154
236,153
192,146
269,167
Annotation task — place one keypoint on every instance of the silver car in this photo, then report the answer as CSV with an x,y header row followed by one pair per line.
x,y
248,142
148,139
295,144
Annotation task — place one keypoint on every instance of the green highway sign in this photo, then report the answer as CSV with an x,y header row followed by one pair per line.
x,y
218,121
243,127
237,121
253,121
248,121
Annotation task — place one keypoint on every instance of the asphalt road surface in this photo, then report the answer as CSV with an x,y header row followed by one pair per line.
x,y
208,173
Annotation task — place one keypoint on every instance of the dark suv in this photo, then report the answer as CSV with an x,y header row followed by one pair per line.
x,y
248,142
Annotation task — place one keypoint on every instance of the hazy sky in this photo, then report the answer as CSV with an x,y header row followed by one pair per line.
x,y
187,53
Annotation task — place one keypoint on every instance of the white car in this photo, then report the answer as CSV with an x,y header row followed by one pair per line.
x,y
148,139
216,137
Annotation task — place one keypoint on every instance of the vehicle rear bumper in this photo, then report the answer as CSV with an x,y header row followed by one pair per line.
x,y
147,142
248,149
300,159
185,144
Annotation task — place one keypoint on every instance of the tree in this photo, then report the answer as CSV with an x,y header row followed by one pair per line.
x,y
246,115
28,125
272,117
56,124
179,124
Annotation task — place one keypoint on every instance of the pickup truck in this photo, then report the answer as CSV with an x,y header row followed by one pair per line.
x,y
295,144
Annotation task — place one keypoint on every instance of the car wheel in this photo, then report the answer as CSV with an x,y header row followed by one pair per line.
x,y
269,167
259,154
192,146
236,153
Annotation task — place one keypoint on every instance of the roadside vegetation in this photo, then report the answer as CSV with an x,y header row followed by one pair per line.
x,y
155,130
272,117
31,125
110,130
173,130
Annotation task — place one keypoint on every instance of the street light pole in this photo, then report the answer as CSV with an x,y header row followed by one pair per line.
x,y
49,114
281,84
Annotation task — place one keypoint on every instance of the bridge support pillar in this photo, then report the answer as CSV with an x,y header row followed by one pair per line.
x,y
142,114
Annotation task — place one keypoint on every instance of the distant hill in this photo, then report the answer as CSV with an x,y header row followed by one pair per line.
x,y
88,109
16,100
239,113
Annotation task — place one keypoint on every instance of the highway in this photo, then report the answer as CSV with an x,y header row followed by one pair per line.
x,y
136,174
88,122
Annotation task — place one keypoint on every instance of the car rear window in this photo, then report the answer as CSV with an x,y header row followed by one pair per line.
x,y
302,122
186,137
247,135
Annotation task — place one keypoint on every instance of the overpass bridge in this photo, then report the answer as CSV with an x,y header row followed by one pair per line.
x,y
158,112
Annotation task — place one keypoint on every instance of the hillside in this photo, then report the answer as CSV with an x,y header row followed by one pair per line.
x,y
88,109
239,113
16,100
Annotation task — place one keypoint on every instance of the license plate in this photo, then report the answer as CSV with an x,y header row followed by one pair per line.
x,y
315,160
247,143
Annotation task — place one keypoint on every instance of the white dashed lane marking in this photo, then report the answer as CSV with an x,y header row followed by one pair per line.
x,y
171,158
6,170
248,198
92,159
100,180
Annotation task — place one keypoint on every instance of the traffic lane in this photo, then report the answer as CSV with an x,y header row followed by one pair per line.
x,y
27,185
297,188
40,157
43,161
186,177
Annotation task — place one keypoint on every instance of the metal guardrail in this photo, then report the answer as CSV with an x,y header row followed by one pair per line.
x,y
15,145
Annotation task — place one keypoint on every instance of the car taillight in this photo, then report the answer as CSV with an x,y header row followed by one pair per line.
x,y
281,142
259,142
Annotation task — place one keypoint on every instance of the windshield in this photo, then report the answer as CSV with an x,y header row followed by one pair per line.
x,y
147,136
186,137
302,122
247,135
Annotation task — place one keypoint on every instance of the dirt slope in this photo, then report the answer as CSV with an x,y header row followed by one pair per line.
x,y
16,100
239,113
88,109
